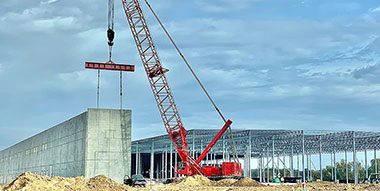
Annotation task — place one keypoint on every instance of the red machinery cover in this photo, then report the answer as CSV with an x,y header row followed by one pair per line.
x,y
211,171
231,169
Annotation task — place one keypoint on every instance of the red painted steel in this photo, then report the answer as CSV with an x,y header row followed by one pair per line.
x,y
110,66
161,90
228,169
213,141
157,79
231,169
212,171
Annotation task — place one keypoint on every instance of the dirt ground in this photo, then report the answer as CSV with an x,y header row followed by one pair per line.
x,y
32,182
321,186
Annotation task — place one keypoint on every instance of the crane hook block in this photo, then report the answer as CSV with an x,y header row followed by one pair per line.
x,y
111,36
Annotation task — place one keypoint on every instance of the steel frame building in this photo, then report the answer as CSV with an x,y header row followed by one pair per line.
x,y
155,157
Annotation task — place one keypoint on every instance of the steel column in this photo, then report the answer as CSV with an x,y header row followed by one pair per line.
x,y
375,158
246,166
332,167
166,162
151,171
260,168
162,165
354,158
158,170
207,158
171,161
137,158
335,178
140,163
303,157
267,164
298,166
284,162
263,169
320,159
291,162
214,158
193,145
249,154
366,164
345,160
278,164
224,149
307,166
175,163
273,170
201,151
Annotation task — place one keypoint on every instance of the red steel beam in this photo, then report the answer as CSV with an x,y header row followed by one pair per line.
x,y
213,141
110,66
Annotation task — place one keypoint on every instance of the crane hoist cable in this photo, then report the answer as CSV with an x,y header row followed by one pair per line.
x,y
231,139
111,37
98,90
110,31
121,90
110,42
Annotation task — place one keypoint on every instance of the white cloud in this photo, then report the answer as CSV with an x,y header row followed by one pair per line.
x,y
369,93
292,90
26,14
45,18
225,5
49,2
247,64
377,9
344,62
77,80
275,92
235,78
56,23
94,37
372,15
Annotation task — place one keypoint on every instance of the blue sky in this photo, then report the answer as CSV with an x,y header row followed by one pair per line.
x,y
269,64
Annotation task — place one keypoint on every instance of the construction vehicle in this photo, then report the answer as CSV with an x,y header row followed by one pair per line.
x,y
156,74
374,178
135,180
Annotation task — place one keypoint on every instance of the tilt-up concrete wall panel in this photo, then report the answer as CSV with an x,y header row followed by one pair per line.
x,y
96,142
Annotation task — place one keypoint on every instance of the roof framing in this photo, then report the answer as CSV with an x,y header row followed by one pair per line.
x,y
284,142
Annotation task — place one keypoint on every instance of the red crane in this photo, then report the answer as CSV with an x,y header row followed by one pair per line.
x,y
164,98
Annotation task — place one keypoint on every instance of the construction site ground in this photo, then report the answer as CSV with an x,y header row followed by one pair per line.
x,y
33,182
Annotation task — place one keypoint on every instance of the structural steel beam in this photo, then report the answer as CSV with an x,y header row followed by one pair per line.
x,y
109,66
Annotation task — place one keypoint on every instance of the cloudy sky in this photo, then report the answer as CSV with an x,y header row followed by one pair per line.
x,y
269,64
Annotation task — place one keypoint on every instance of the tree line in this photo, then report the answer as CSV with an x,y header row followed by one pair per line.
x,y
328,172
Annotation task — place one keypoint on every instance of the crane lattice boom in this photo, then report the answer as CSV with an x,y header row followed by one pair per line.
x,y
156,75
163,96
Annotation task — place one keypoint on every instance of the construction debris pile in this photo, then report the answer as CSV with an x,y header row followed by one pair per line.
x,y
225,182
201,183
195,180
246,182
32,182
331,186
